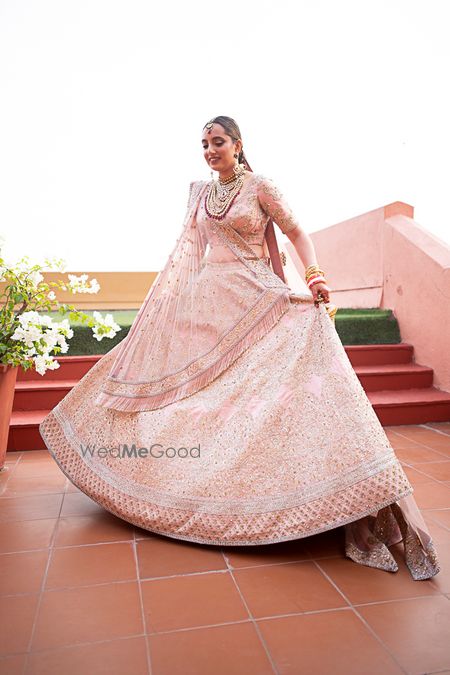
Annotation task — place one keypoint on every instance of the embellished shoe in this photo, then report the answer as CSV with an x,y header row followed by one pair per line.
x,y
420,553
363,546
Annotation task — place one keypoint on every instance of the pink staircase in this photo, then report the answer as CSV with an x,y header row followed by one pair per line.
x,y
400,390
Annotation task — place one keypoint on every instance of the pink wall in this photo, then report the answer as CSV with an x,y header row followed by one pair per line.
x,y
384,258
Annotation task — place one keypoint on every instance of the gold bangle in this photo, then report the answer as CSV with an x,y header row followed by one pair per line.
x,y
315,274
310,274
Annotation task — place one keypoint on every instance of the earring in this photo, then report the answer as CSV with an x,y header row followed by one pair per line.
x,y
235,154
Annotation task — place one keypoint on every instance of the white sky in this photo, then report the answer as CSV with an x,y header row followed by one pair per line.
x,y
343,103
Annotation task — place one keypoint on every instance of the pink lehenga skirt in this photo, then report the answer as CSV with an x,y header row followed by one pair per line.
x,y
282,445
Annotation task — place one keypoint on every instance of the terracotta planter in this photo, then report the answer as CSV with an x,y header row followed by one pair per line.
x,y
8,376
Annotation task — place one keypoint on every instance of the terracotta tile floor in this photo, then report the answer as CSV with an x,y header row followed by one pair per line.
x,y
84,592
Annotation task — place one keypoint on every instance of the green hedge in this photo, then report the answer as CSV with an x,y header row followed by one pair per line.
x,y
354,327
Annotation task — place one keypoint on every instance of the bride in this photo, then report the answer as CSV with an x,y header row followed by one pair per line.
x,y
230,414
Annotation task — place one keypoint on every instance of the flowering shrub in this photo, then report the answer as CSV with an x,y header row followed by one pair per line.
x,y
28,338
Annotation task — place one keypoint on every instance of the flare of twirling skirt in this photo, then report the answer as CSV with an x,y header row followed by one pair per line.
x,y
282,445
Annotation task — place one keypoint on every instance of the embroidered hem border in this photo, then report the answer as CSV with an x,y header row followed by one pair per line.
x,y
318,515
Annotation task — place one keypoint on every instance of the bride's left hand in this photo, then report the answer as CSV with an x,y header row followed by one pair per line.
x,y
320,292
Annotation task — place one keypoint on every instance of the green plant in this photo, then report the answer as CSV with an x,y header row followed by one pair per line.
x,y
28,338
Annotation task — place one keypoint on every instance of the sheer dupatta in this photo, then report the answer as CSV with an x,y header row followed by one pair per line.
x,y
178,342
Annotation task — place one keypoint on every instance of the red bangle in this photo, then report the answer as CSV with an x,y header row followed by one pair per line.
x,y
316,280
313,276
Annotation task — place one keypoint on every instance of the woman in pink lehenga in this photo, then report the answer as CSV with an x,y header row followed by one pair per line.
x,y
230,414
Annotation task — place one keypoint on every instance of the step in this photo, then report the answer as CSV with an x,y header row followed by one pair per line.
x,y
24,430
407,406
411,406
377,366
394,376
70,368
46,394
400,390
377,355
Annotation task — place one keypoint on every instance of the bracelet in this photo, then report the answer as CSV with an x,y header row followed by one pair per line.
x,y
314,275
311,268
316,280
310,271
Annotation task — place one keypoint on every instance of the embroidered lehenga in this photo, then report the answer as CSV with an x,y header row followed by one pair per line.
x,y
256,426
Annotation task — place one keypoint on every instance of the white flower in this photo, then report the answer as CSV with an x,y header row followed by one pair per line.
x,y
46,320
40,333
103,323
28,317
27,335
50,340
44,362
78,284
51,295
64,325
64,346
95,286
35,278
40,364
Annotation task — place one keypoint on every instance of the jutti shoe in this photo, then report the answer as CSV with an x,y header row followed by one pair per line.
x,y
420,553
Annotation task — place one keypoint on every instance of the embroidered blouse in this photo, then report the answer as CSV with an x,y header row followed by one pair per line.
x,y
259,200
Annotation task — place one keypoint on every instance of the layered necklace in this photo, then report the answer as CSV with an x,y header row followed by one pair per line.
x,y
222,193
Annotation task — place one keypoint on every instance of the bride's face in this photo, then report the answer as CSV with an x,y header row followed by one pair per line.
x,y
219,148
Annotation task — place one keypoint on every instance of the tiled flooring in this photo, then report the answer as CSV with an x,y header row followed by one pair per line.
x,y
84,592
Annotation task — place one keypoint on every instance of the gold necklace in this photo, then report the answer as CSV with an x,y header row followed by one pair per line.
x,y
224,181
222,194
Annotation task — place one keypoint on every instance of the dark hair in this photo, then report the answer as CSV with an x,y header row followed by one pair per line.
x,y
232,130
